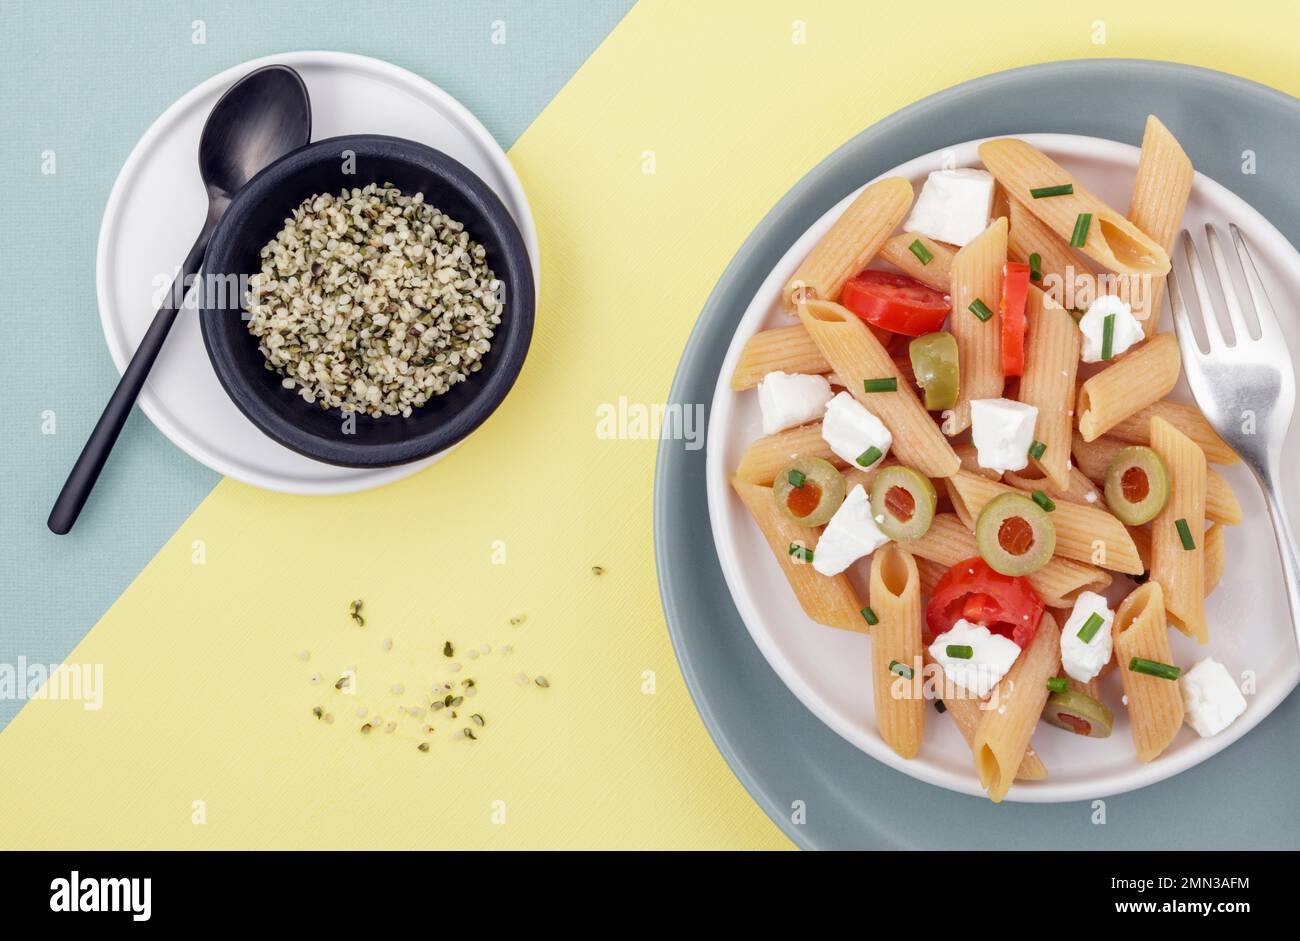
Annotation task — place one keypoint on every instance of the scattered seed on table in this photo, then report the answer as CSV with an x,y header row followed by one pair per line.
x,y
542,682
390,726
435,706
469,733
304,655
354,612
597,570
342,682
507,650
365,727
472,654
428,730
317,711
485,649
388,643
518,619
454,666
423,746
521,679
361,712
448,650
472,691
478,719
329,718
315,678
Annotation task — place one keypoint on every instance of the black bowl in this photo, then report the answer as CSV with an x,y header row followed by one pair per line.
x,y
255,216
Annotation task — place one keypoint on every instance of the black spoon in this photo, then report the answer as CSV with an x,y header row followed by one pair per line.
x,y
262,117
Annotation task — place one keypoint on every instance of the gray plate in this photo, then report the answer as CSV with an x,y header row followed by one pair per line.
x,y
1244,797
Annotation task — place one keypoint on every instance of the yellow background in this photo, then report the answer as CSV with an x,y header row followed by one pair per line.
x,y
205,698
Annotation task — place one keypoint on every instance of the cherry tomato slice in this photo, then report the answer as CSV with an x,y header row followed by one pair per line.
x,y
895,302
1005,604
1015,293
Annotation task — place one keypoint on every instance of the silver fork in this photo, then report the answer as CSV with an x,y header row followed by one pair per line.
x,y
1244,387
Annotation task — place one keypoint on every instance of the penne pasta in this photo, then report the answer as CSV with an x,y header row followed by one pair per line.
x,y
1155,705
1216,557
763,459
1160,193
1051,362
827,600
966,713
1002,737
857,356
1109,239
1079,490
1136,429
1028,236
782,349
896,637
1083,533
1178,533
948,542
850,243
976,281
1093,458
1141,377
935,273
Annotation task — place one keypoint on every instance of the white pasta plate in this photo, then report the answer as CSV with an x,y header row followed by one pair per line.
x,y
828,669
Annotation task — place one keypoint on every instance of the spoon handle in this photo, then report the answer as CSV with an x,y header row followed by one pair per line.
x,y
85,472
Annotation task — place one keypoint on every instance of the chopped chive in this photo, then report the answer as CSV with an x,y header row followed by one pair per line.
x,y
1079,237
939,707
1153,668
1057,685
888,384
923,254
870,616
960,651
801,553
1035,267
869,456
1090,627
1108,337
980,310
1037,450
1185,534
1043,500
1063,189
902,669
796,478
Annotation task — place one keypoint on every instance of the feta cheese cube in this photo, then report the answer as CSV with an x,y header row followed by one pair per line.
x,y
1127,330
1083,660
850,430
993,656
790,399
851,534
953,206
1211,699
1002,431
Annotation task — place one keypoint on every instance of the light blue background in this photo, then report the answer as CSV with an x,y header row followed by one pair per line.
x,y
85,80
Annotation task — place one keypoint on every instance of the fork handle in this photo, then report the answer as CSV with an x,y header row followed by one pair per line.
x,y
1286,542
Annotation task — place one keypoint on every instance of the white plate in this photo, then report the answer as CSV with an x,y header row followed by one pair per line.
x,y
826,668
157,207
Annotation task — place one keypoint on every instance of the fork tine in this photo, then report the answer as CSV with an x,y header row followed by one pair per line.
x,y
1269,329
1236,317
1214,337
1182,321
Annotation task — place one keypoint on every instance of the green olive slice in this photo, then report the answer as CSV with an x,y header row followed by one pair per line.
x,y
809,491
1137,485
902,502
1015,535
1078,713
